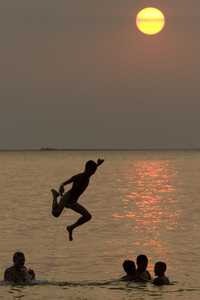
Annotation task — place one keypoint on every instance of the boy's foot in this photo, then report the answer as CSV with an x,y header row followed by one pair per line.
x,y
54,193
70,232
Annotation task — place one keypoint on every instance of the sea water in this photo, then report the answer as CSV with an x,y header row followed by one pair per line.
x,y
142,202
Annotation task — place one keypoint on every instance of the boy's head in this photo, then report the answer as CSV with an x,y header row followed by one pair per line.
x,y
19,259
129,267
160,268
90,167
142,262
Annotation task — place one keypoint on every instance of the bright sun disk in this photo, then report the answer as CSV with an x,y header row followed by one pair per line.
x,y
150,20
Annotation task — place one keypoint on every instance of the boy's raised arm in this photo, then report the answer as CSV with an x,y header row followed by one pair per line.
x,y
68,181
61,189
99,161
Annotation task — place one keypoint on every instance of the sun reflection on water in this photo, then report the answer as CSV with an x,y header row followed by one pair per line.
x,y
150,199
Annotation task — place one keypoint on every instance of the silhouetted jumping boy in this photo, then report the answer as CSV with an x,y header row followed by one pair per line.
x,y
70,198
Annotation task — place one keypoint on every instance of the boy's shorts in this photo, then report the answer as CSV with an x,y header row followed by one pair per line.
x,y
68,200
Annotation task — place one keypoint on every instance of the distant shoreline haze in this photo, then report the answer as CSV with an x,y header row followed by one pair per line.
x,y
100,149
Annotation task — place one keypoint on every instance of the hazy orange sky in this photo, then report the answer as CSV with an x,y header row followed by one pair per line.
x,y
78,74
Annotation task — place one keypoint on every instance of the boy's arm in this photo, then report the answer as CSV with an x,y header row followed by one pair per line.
x,y
61,189
31,273
99,161
68,181
7,275
149,275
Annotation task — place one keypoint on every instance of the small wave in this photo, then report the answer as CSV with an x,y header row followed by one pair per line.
x,y
112,284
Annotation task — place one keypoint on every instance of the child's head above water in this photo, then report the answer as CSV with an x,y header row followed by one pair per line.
x,y
90,167
160,268
19,259
142,262
129,267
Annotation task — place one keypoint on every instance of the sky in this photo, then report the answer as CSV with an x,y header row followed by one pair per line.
x,y
78,74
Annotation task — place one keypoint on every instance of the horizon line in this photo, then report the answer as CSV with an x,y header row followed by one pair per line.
x,y
49,149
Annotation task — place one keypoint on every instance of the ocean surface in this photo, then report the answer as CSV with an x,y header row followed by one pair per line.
x,y
142,202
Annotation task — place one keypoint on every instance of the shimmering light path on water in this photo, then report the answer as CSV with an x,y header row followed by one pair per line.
x,y
141,202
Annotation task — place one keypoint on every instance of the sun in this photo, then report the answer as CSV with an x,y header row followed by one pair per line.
x,y
150,20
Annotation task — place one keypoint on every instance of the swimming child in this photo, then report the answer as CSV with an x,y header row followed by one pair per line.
x,y
19,273
159,270
130,269
70,198
142,273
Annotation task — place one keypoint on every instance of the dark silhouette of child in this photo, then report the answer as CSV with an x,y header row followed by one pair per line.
x,y
130,269
18,273
70,198
159,270
142,273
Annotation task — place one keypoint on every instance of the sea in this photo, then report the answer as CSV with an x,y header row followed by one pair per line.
x,y
142,202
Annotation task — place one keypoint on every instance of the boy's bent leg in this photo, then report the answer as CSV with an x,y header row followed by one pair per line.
x,y
86,216
57,208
